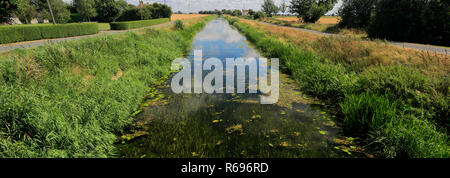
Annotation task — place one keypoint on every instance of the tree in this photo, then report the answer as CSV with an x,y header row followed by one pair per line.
x,y
310,11
26,11
251,12
86,8
283,7
59,8
356,13
425,21
108,10
7,9
236,12
259,15
269,7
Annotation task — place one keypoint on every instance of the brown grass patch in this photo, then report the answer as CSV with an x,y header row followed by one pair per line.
x,y
355,52
283,33
322,20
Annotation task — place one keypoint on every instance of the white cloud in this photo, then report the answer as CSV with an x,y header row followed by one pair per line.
x,y
198,5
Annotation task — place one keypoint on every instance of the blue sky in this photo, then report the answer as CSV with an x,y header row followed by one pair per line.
x,y
198,5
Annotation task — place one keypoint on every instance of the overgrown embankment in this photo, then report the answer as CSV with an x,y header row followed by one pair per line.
x,y
401,110
68,99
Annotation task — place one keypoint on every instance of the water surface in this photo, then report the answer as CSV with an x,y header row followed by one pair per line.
x,y
230,125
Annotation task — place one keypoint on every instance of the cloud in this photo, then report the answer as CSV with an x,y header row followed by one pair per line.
x,y
198,5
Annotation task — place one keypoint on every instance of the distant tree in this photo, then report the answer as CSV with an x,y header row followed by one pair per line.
x,y
86,8
26,11
412,20
156,11
283,7
7,9
147,12
130,14
259,15
251,12
269,7
166,11
356,13
124,5
236,12
59,8
108,10
311,10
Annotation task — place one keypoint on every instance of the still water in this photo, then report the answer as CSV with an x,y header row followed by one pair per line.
x,y
230,125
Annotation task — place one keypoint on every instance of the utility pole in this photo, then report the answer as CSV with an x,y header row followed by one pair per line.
x,y
51,12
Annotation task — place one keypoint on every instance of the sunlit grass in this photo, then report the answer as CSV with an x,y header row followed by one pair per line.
x,y
396,99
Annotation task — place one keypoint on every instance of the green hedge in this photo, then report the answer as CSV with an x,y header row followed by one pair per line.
x,y
16,33
137,24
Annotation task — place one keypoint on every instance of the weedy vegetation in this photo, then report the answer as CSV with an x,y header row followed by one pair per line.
x,y
68,99
396,99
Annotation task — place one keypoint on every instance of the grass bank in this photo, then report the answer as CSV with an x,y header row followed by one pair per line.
x,y
399,108
68,99
325,24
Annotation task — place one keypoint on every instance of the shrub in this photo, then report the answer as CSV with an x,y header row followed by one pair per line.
x,y
179,25
259,15
16,33
136,24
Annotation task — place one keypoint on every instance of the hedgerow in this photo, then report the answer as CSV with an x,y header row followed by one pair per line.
x,y
136,24
17,33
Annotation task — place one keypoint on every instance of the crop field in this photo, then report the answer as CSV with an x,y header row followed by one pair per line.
x,y
185,16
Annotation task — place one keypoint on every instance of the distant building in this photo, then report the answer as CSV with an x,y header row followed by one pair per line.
x,y
141,4
245,12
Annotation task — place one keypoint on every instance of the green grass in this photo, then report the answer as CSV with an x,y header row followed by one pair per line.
x,y
69,99
398,110
104,26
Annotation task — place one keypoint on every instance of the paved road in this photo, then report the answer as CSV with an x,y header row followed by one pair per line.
x,y
433,49
29,44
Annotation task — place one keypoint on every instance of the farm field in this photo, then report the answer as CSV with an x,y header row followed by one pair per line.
x,y
185,16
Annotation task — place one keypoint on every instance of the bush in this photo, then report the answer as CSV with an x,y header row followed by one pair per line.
x,y
16,33
259,15
136,24
179,25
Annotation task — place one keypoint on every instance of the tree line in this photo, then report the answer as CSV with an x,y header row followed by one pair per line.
x,y
80,10
421,21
